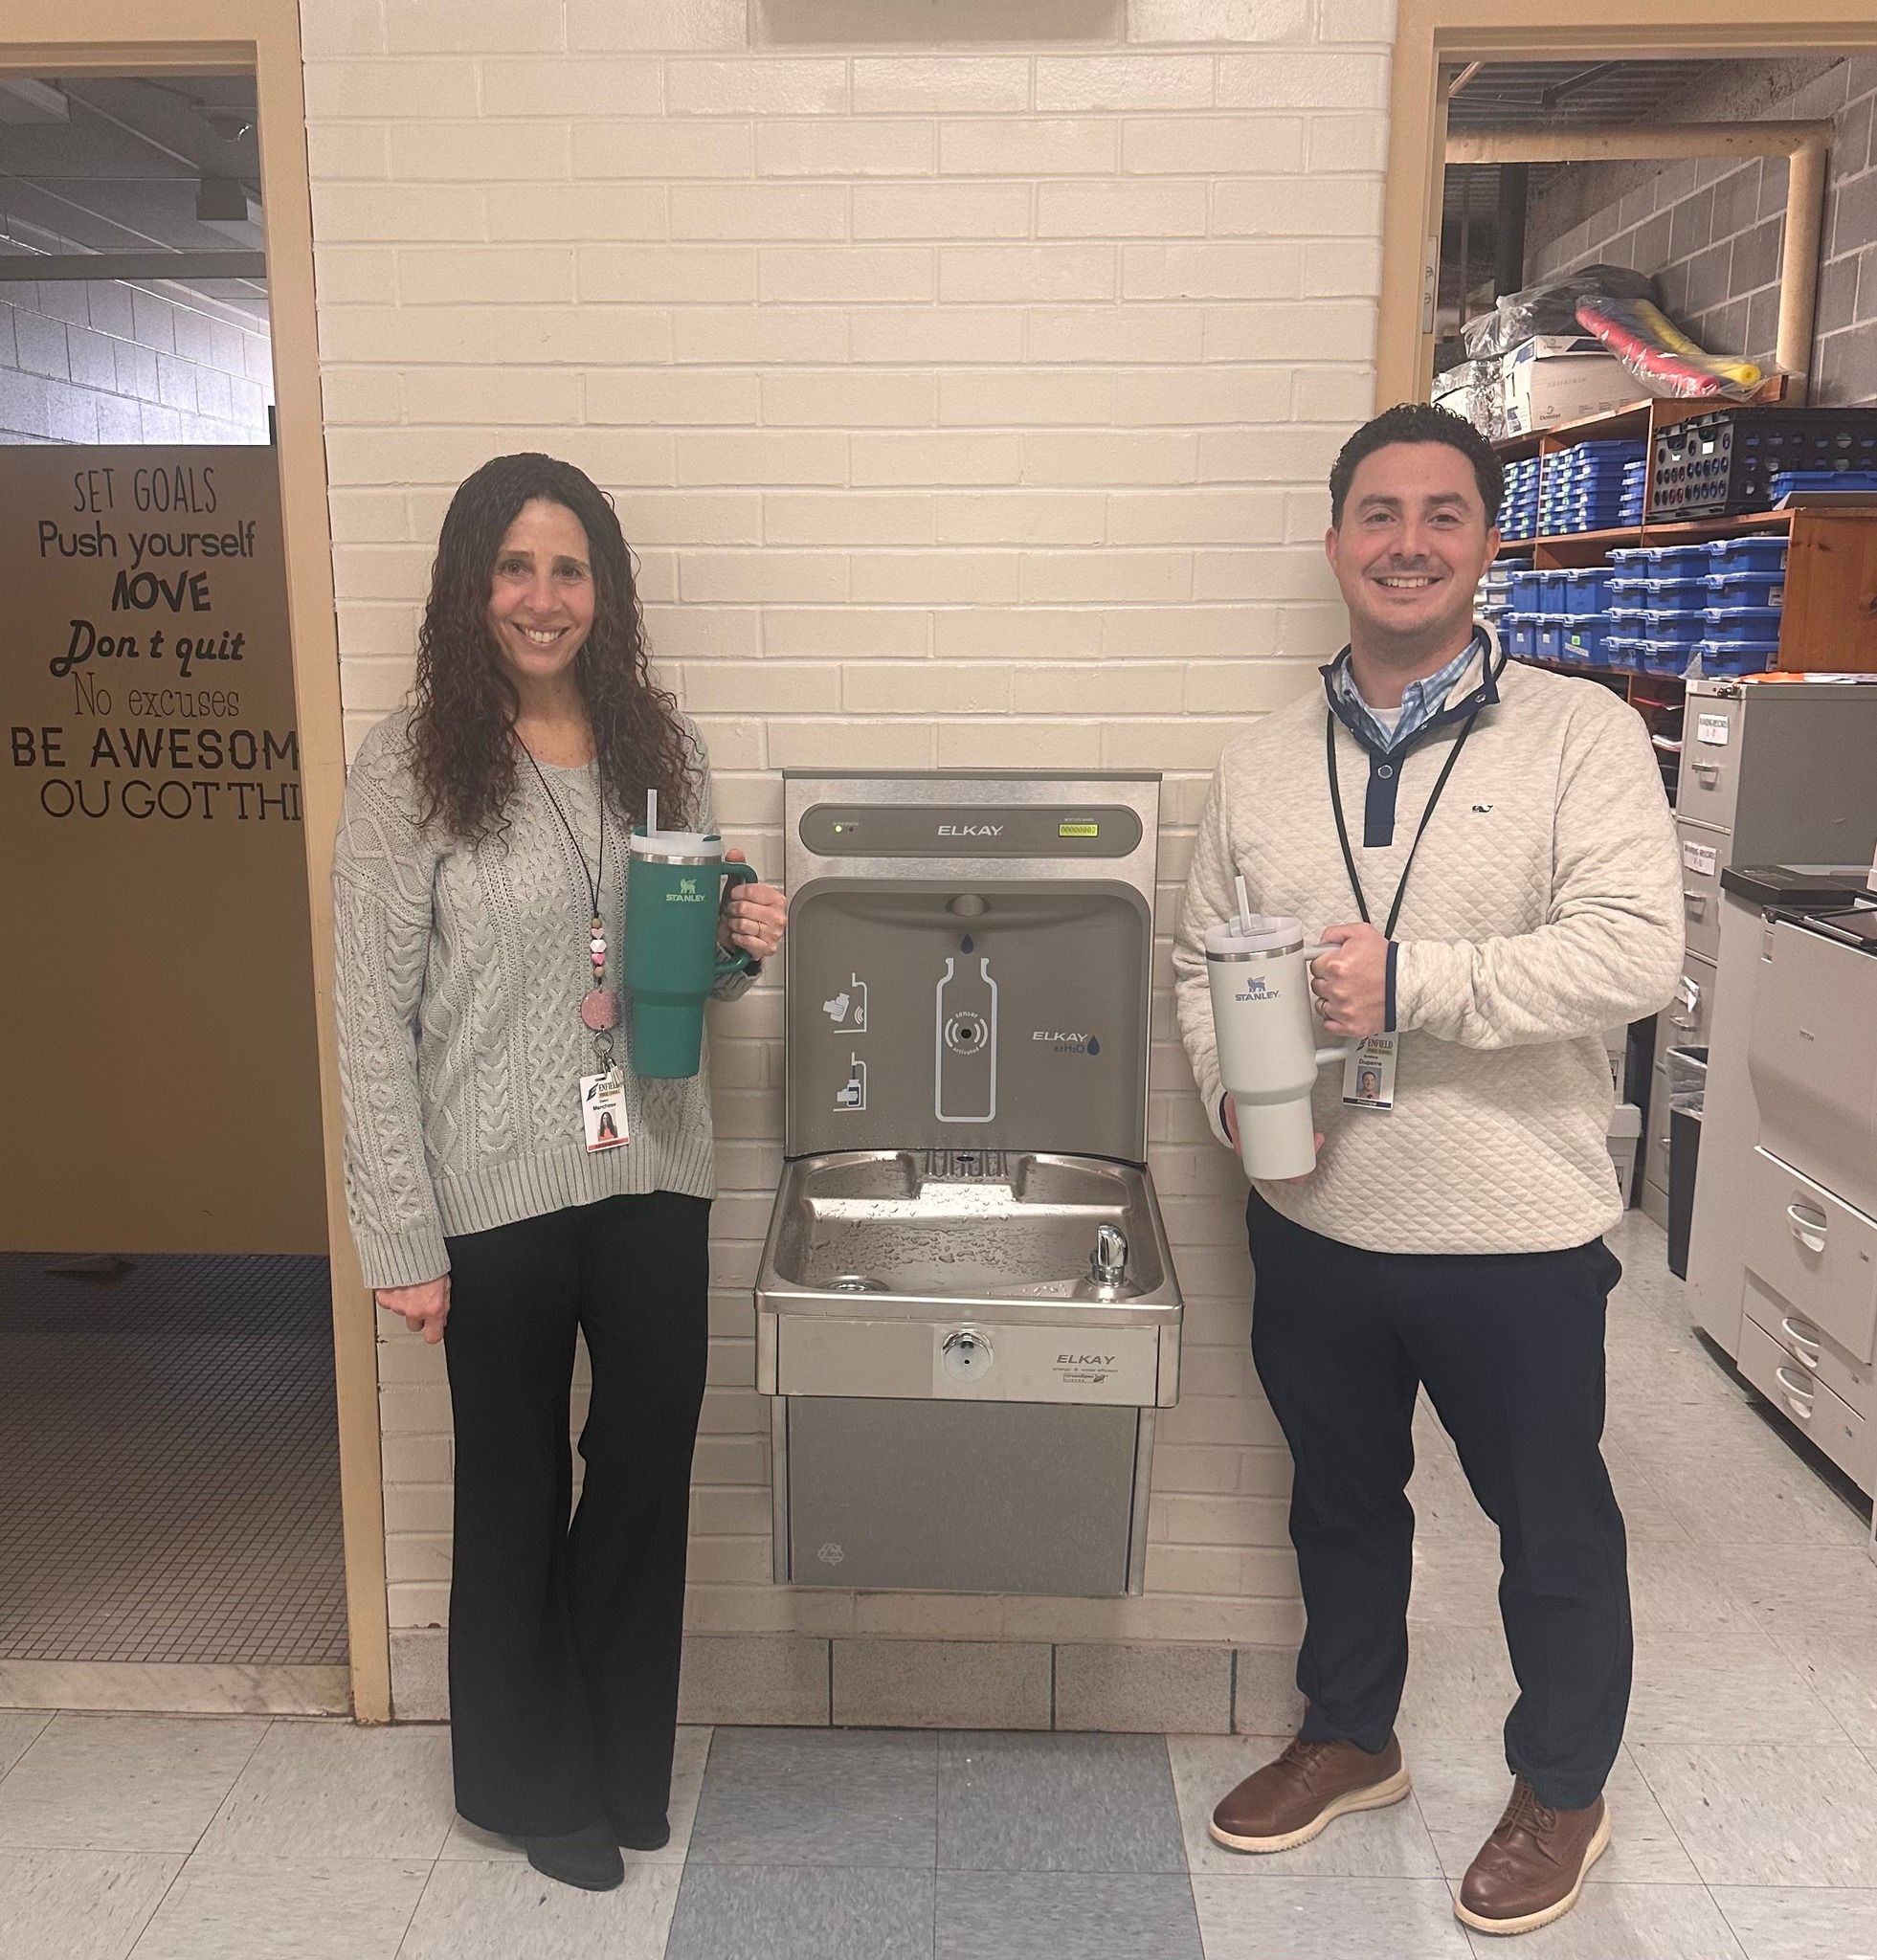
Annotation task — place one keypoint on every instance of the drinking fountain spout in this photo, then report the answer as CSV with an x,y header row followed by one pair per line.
x,y
1107,1264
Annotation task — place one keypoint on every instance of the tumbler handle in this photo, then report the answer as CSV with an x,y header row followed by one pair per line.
x,y
1343,1050
737,960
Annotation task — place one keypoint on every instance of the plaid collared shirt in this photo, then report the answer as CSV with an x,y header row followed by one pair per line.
x,y
1420,700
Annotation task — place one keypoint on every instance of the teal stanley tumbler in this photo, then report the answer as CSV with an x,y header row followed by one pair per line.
x,y
674,886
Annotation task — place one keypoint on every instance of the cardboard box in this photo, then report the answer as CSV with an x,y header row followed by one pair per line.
x,y
1562,378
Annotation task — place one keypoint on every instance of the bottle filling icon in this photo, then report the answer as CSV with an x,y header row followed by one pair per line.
x,y
965,1071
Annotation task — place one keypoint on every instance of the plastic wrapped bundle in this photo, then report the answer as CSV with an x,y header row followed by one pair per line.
x,y
1624,310
1473,391
1550,307
1660,356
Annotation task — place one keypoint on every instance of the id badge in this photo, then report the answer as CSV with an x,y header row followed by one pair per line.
x,y
603,1109
1369,1074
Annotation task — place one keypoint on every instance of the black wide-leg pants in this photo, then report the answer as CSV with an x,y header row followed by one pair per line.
x,y
1510,1347
564,1638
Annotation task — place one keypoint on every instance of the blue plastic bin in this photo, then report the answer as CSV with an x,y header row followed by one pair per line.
x,y
1786,482
1759,624
1680,561
1587,639
1552,591
1662,657
1550,642
1623,653
1612,451
1661,595
1588,589
1518,634
1522,590
1677,628
1736,655
1747,588
1672,629
1575,524
1748,554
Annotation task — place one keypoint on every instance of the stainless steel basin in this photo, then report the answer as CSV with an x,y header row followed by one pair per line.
x,y
902,1231
967,1349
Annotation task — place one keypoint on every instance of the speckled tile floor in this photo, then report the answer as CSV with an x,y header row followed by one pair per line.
x,y
169,1459
1745,1801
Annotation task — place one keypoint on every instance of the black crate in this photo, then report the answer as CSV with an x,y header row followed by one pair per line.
x,y
1719,464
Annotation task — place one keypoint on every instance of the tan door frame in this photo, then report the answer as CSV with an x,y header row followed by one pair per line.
x,y
1434,35
262,37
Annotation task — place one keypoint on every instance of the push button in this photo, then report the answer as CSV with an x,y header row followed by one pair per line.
x,y
967,1354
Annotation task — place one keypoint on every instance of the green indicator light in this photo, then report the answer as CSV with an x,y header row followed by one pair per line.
x,y
1078,830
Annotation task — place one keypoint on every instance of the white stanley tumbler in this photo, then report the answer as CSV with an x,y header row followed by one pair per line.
x,y
1266,1038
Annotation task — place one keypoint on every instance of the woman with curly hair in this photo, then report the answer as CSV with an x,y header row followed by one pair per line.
x,y
480,866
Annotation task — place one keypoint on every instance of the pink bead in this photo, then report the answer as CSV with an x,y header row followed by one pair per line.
x,y
599,959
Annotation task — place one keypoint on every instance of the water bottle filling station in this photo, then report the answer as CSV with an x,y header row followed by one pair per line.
x,y
967,1310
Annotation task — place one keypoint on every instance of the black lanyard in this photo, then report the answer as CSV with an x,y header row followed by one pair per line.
x,y
595,875
1342,827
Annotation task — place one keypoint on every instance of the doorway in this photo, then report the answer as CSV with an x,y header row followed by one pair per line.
x,y
169,1442
1631,72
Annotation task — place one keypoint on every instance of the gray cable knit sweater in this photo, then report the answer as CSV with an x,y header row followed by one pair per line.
x,y
459,971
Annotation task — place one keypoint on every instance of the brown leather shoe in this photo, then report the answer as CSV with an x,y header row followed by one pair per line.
x,y
1530,1870
1288,1802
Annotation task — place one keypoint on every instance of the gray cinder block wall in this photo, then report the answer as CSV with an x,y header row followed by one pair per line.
x,y
1711,231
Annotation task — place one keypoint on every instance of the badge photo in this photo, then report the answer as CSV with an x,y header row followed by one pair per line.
x,y
603,1110
1369,1074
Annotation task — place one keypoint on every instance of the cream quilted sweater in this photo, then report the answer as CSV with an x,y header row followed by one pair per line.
x,y
1543,906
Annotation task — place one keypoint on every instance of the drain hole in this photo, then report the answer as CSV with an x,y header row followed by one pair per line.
x,y
857,1283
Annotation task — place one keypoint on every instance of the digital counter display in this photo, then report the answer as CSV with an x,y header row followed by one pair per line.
x,y
1078,830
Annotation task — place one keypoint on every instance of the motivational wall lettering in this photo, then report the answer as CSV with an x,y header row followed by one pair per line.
x,y
160,1059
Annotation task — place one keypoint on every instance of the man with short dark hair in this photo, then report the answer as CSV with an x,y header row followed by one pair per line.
x,y
1501,836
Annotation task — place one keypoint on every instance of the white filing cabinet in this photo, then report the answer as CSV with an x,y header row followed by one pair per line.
x,y
1808,1199
1773,772
1729,1124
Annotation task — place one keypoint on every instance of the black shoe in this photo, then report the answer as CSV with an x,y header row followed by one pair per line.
x,y
649,1834
588,1859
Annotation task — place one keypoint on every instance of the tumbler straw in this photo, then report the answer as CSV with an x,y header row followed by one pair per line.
x,y
1242,924
650,814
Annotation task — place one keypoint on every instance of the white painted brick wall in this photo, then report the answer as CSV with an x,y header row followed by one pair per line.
x,y
965,406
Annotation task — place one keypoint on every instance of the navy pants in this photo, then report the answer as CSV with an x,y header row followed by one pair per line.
x,y
1510,1347
564,1636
